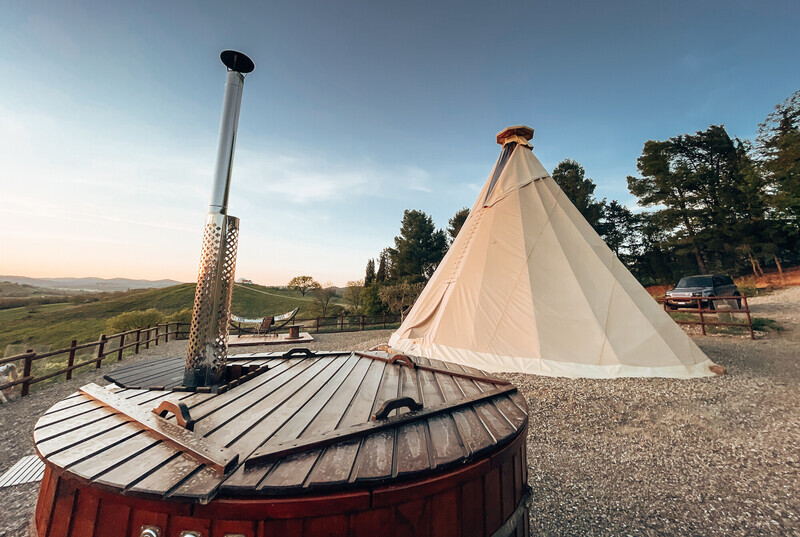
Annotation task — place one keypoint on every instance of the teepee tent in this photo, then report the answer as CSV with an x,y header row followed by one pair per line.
x,y
529,286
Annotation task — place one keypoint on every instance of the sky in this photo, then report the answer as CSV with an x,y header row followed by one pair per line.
x,y
356,111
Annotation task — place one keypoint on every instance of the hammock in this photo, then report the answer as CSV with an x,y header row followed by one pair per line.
x,y
266,324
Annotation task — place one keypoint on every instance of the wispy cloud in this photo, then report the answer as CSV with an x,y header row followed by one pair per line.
x,y
71,191
303,177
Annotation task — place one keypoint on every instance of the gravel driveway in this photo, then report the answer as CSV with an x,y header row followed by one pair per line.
x,y
716,456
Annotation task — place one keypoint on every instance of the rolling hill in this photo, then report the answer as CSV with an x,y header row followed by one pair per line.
x,y
89,284
56,325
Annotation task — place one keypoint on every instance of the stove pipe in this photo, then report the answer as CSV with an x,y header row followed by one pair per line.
x,y
208,335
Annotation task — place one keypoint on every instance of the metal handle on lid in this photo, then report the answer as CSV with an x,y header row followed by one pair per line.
x,y
393,404
301,351
402,359
180,410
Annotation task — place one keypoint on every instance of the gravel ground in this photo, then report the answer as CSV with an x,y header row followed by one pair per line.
x,y
718,456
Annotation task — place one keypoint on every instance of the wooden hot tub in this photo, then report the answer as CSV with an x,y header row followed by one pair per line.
x,y
296,444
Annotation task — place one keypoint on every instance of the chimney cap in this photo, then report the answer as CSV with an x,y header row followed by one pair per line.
x,y
236,61
512,134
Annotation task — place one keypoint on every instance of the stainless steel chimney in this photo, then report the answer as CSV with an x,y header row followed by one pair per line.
x,y
208,336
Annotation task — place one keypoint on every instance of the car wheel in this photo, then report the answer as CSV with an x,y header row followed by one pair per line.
x,y
711,304
672,308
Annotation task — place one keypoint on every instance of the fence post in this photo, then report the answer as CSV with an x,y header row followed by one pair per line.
x,y
71,358
341,321
138,337
100,348
702,319
363,322
317,332
749,320
384,319
157,336
147,337
26,372
121,344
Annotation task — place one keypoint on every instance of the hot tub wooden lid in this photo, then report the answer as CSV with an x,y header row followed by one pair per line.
x,y
306,424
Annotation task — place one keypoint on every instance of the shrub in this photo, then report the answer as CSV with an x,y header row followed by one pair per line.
x,y
183,316
131,320
763,324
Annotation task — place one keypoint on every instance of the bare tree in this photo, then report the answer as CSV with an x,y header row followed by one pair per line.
x,y
303,284
400,297
352,294
323,297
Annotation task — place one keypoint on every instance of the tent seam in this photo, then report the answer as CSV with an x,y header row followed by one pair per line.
x,y
580,286
605,325
527,260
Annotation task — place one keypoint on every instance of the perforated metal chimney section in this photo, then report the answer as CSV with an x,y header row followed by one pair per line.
x,y
208,336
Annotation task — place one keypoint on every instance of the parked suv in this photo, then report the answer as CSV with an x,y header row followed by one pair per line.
x,y
691,287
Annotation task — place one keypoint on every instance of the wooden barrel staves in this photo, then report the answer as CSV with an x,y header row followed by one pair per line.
x,y
300,444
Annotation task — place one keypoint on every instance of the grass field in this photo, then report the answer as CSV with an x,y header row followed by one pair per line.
x,y
55,325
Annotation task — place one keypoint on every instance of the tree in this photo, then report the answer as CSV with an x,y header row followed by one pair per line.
x,y
457,222
653,264
323,297
699,181
383,266
371,301
401,296
418,249
778,151
621,231
303,284
778,145
352,294
571,177
369,276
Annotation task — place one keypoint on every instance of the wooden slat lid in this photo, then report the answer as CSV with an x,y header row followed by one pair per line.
x,y
305,423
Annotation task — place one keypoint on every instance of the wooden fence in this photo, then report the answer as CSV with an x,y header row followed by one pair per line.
x,y
106,346
339,323
115,345
711,308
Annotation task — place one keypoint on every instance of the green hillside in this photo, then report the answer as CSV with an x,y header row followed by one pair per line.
x,y
21,290
56,325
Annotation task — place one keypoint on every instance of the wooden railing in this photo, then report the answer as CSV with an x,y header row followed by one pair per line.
x,y
115,345
338,323
107,346
703,312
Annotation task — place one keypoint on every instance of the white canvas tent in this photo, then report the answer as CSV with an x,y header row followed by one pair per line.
x,y
529,286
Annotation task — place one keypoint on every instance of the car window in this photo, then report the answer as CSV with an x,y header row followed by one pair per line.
x,y
718,282
695,281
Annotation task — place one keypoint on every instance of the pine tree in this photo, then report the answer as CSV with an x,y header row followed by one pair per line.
x,y
571,177
418,249
457,222
369,276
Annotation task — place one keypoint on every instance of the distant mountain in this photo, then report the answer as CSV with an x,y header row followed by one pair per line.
x,y
90,284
